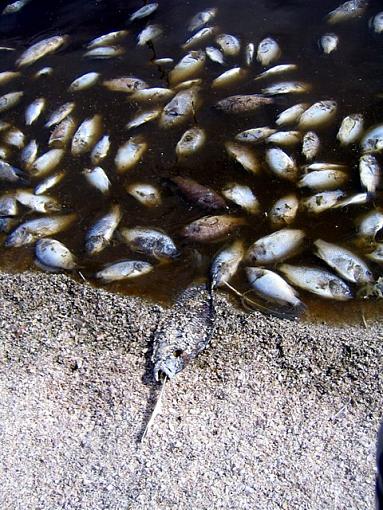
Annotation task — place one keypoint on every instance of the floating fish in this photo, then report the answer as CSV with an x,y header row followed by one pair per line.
x,y
292,114
46,162
287,87
149,34
244,156
268,51
229,77
151,242
59,115
41,49
310,145
225,264
10,100
190,65
107,39
86,135
37,203
370,172
100,150
276,247
199,37
199,195
127,84
242,196
279,69
214,54
130,153
53,254
144,11
201,18
351,129
105,52
242,103
100,234
318,114
84,82
98,179
255,135
123,270
346,11
146,194
191,142
329,43
63,132
284,211
211,228
31,230
281,164
229,44
183,105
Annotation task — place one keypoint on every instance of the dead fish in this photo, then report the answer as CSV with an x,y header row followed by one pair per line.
x,y
310,145
279,69
376,23
287,87
255,135
14,137
34,110
54,255
163,61
190,65
281,164
372,140
268,51
272,287
199,195
329,43
152,95
31,230
130,153
97,178
356,199
243,196
144,11
187,84
249,53
214,54
351,129
62,133
86,135
292,114
201,18
127,84
146,194
229,77
43,72
100,234
319,114
183,332
229,44
41,49
225,264
244,156
38,203
276,247
317,281
323,180
377,254
183,105
8,205
11,174
107,39
59,115
321,202
346,264
84,82
49,182
346,11
369,224
7,76
199,37
8,101
285,138
211,228
100,150
123,270
370,172
4,152
46,162
143,117
105,52
15,6
28,154
324,165
242,103
7,224
151,242
149,34
191,142
284,211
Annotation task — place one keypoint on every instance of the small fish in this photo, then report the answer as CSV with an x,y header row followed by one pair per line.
x,y
151,242
243,196
279,69
199,195
143,117
370,172
130,153
292,114
310,145
214,54
272,287
62,132
225,264
229,77
249,53
10,100
284,211
84,82
321,202
244,156
370,224
144,11
97,178
329,43
28,154
268,51
58,115
37,203
86,135
255,135
242,103
356,199
287,87
281,164
346,11
43,72
183,105
40,49
276,247
376,23
351,129
190,65
31,230
285,138
14,137
15,6
319,114
47,162
187,84
127,84
8,205
163,61
11,174
100,150
323,180
55,255
105,52
123,270
149,34
7,76
211,228
346,264
317,281
152,95
107,39
200,19
372,140
146,194
49,183
229,44
34,110
100,233
199,37
324,165
191,142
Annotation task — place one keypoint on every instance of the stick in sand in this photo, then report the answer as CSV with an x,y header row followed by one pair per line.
x,y
155,412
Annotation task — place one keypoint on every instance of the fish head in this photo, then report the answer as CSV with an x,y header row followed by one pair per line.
x,y
170,366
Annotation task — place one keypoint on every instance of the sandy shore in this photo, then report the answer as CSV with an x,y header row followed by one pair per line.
x,y
273,415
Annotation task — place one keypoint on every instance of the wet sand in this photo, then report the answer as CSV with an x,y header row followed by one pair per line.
x,y
275,414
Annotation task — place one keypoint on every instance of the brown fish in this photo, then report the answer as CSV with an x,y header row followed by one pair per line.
x,y
243,103
197,194
211,228
127,84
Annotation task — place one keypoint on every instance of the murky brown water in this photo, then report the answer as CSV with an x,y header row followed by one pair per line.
x,y
351,76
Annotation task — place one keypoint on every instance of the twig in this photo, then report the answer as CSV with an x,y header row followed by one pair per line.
x,y
155,412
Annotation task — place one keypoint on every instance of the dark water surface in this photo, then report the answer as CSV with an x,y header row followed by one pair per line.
x,y
352,76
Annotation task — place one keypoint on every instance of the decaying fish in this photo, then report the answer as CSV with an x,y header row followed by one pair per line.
x,y
151,242
144,11
49,182
63,132
9,173
281,164
243,155
284,211
292,114
98,179
38,203
123,270
10,100
229,44
54,255
40,49
225,264
287,87
285,138
199,37
34,110
346,11
242,104
127,84
107,39
47,162
211,228
130,153
310,145
105,52
214,54
59,115
370,172
149,34
101,233
199,195
201,18
229,77
146,194
329,43
84,82
255,135
242,196
318,115
31,230
351,129
190,65
279,69
100,150
191,142
183,105
276,247
268,51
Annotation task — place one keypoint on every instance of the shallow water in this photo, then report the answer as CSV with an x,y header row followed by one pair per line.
x,y
351,76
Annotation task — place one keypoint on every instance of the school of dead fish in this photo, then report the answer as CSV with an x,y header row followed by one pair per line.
x,y
28,180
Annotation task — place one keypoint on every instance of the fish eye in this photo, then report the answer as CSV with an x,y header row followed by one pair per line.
x,y
177,353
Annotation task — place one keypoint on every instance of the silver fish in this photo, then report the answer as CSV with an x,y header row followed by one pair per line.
x,y
356,199
143,117
100,234
372,140
130,153
144,11
58,115
28,154
7,76
180,108
281,164
276,247
284,211
190,65
107,39
86,135
40,49
292,114
310,145
200,19
8,205
10,100
149,34
105,52
49,182
285,138
268,51
319,114
100,150
62,132
376,23
151,242
54,255
244,156
225,264
272,287
127,84
329,43
31,230
369,224
287,87
351,129
346,11
229,77
123,270
97,178
146,194
15,6
34,110
214,54
43,72
152,95
243,196
14,137
323,180
255,135
199,37
321,202
47,162
249,53
370,172
11,174
84,82
279,69
191,142
37,203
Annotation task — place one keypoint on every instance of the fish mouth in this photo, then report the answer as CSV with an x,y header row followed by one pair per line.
x,y
169,367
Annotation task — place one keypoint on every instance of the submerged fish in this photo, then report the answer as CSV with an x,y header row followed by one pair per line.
x,y
123,270
40,49
225,264
199,195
